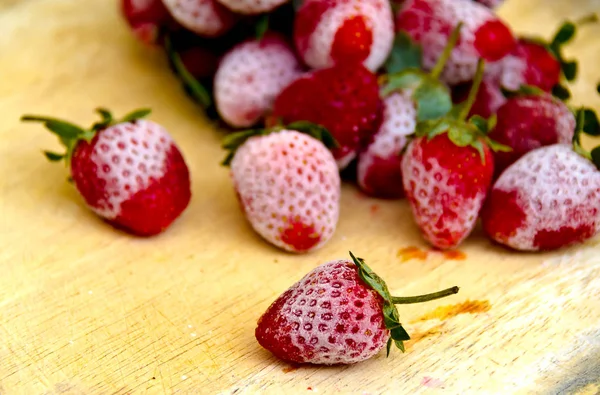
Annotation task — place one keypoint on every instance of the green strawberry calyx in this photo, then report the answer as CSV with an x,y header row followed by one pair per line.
x,y
70,134
391,317
462,132
233,141
431,97
587,122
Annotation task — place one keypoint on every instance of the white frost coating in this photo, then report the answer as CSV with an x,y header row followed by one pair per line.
x,y
378,17
556,187
399,120
251,6
554,109
204,17
250,77
132,154
431,194
513,70
287,176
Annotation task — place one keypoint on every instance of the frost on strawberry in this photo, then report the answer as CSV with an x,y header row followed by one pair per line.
x,y
341,312
327,32
145,18
287,184
430,23
207,18
251,7
129,171
250,76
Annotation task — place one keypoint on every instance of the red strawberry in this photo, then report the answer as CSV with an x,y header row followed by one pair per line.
x,y
250,76
343,98
287,184
200,62
129,171
529,121
447,170
546,200
206,18
251,7
489,97
341,312
145,18
430,23
327,32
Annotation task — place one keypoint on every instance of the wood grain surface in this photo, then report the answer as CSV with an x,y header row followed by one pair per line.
x,y
85,309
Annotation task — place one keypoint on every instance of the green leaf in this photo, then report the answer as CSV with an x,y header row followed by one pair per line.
x,y
317,131
496,146
405,54
433,100
135,115
105,115
595,154
59,127
564,34
400,345
569,69
53,156
461,136
561,92
598,88
480,122
235,140
388,347
262,26
587,121
432,128
406,79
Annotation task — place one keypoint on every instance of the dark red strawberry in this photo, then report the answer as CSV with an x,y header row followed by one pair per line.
x,y
489,97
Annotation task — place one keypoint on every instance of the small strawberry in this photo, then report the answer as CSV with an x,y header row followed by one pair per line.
x,y
447,170
287,183
530,120
489,97
252,7
206,18
250,76
430,23
146,18
344,99
341,312
410,96
327,32
129,171
548,199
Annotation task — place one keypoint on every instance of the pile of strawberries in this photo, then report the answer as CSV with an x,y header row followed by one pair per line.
x,y
437,102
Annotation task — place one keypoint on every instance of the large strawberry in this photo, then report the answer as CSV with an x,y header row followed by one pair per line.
x,y
546,200
529,120
250,76
207,18
327,32
447,170
343,98
287,183
129,171
410,95
341,312
430,23
146,18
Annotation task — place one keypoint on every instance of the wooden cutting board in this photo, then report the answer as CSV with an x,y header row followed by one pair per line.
x,y
85,309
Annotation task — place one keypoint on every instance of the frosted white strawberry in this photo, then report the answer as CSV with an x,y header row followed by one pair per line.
x,y
251,7
548,199
207,18
250,76
484,35
329,31
378,167
288,185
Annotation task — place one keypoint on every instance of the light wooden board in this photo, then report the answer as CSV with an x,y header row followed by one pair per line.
x,y
88,310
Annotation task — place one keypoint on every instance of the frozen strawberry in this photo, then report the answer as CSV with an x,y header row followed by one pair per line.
x,y
344,99
489,97
341,312
546,200
129,171
250,76
327,32
251,7
207,18
145,18
528,121
447,170
287,183
430,23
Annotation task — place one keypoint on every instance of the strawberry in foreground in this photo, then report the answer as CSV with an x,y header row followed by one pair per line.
x,y
410,96
430,23
447,170
129,171
549,198
146,18
339,313
287,184
529,120
207,18
250,76
344,99
327,32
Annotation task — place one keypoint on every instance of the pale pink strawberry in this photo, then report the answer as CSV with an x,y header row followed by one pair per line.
x,y
378,169
484,35
145,18
251,7
328,31
546,200
288,186
207,18
250,76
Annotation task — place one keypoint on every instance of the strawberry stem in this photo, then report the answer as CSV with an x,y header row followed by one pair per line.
x,y
468,104
441,62
426,297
